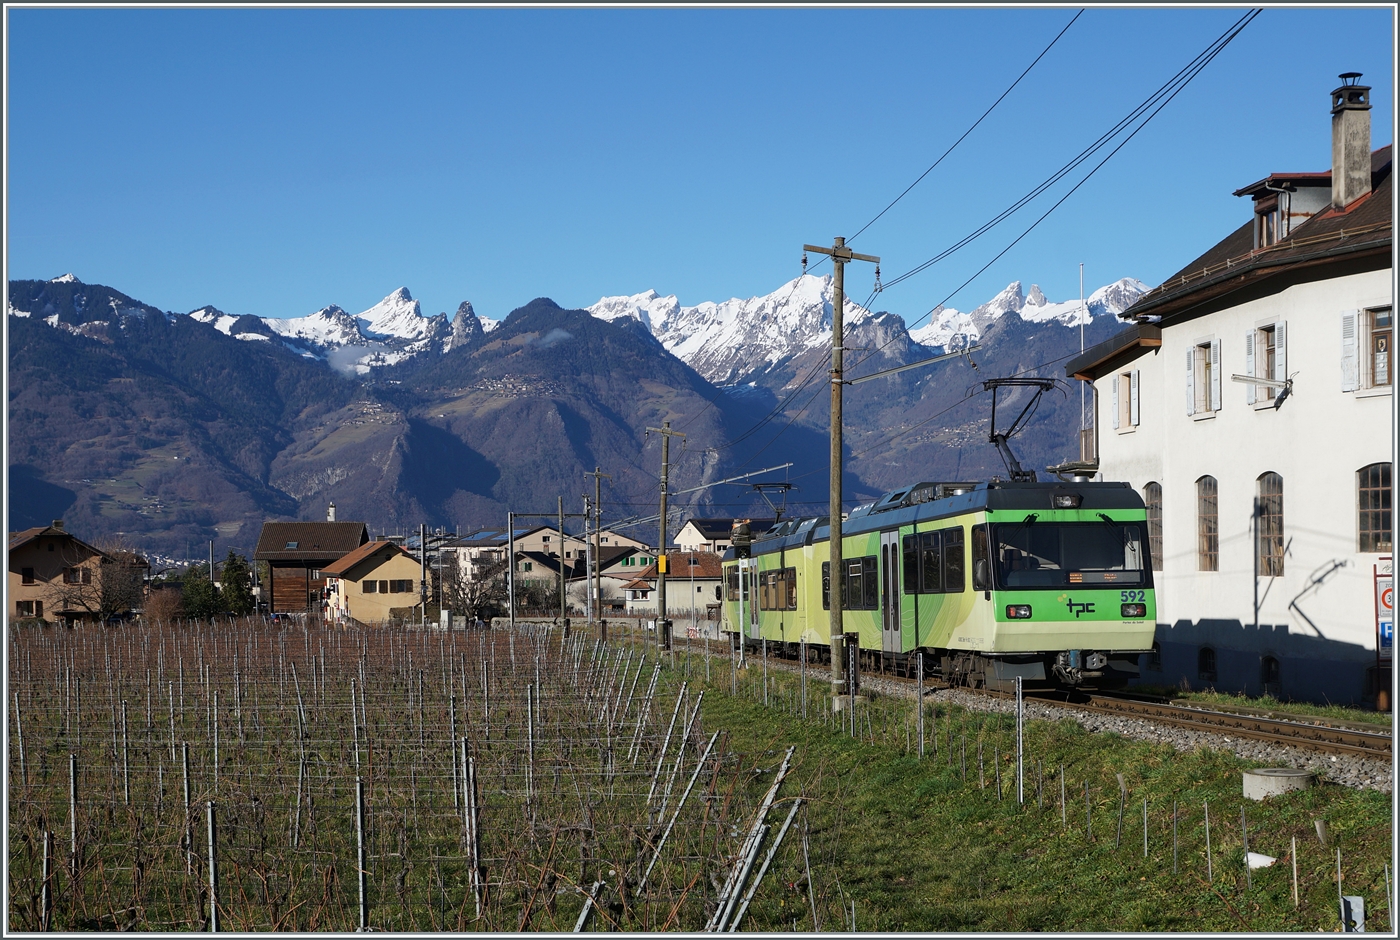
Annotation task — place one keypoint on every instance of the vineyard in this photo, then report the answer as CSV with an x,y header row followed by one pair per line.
x,y
243,776
397,779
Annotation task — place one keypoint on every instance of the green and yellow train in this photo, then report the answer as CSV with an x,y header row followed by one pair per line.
x,y
1051,582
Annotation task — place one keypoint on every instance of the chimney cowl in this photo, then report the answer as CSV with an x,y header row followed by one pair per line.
x,y
1351,141
330,513
58,524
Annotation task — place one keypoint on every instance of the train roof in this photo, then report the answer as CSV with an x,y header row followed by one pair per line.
x,y
928,501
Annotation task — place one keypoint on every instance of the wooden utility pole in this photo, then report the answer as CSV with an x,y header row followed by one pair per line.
x,y
666,435
563,610
597,476
839,255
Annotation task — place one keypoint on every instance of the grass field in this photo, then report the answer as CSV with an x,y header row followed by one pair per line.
x,y
582,756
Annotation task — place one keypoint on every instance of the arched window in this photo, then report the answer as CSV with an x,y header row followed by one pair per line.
x,y
1207,525
1205,663
1152,496
1373,506
1268,525
1270,676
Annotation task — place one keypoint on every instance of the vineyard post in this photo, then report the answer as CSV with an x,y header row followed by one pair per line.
x,y
189,823
919,699
73,814
19,732
46,893
214,726
360,852
213,875
126,765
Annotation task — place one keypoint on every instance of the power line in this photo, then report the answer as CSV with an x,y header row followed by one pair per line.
x,y
969,130
1190,72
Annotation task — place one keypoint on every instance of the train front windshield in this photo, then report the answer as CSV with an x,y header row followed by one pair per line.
x,y
1063,554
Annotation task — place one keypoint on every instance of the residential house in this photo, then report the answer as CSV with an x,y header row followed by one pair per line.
x,y
297,554
375,583
56,576
712,535
693,586
1250,402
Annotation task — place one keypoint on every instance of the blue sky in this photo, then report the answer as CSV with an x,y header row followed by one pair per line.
x,y
274,161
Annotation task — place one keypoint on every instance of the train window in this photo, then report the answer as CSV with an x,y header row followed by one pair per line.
x,y
953,571
826,585
791,588
931,563
731,581
1031,554
777,590
911,564
861,587
981,559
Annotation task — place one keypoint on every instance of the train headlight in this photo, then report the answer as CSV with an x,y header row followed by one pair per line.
x,y
1018,611
1067,500
1134,610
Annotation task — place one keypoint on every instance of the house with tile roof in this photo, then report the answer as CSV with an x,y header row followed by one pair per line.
x,y
56,576
297,554
1250,401
375,583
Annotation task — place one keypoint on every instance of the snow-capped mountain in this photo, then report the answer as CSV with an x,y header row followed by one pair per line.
x,y
727,341
949,326
392,330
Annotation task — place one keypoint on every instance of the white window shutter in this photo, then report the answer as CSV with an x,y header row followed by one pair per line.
x,y
1215,375
1133,402
1191,380
1349,357
1117,380
1280,352
1249,366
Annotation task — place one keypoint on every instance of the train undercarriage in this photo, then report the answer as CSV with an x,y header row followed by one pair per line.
x,y
1063,669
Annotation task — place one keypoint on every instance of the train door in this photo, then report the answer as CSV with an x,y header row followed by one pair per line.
x,y
889,592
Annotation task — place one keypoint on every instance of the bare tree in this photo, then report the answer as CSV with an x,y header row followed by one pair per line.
x,y
101,586
479,596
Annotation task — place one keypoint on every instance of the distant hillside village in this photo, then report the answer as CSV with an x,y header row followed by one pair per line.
x,y
1248,399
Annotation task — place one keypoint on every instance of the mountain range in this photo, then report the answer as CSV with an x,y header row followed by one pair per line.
x,y
166,429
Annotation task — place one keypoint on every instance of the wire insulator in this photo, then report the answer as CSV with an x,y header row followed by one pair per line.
x,y
804,262
878,286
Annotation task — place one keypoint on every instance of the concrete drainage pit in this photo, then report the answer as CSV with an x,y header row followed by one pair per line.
x,y
1271,781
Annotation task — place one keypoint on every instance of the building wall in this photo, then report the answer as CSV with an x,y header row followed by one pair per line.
x,y
348,595
1318,618
50,556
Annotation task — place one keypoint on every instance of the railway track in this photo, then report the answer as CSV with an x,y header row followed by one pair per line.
x,y
1314,734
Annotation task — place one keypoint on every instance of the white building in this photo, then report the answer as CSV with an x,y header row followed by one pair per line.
x,y
1250,403
712,535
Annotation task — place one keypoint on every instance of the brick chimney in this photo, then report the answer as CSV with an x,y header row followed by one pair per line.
x,y
1351,141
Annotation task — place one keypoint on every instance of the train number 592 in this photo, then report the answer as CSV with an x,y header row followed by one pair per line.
x,y
1133,596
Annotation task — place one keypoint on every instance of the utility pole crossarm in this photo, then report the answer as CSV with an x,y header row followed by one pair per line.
x,y
841,253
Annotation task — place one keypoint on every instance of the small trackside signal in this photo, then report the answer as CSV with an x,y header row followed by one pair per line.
x,y
1018,611
1134,610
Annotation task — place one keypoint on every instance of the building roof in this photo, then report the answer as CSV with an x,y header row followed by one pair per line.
x,y
714,530
551,562
308,541
1361,232
1116,351
687,565
341,566
20,539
